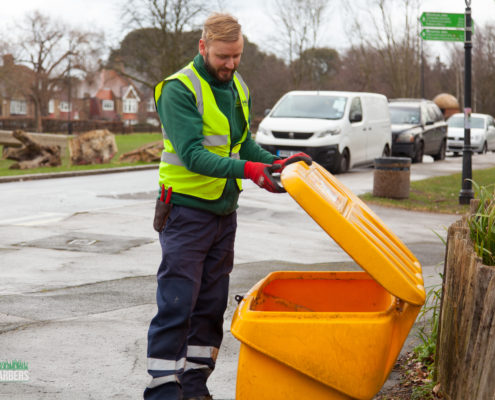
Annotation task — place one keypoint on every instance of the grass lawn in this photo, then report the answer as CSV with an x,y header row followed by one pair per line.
x,y
439,194
125,143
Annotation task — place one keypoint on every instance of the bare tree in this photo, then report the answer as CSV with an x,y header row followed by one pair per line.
x,y
161,45
45,46
392,31
484,69
299,24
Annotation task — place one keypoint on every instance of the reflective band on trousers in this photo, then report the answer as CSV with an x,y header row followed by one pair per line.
x,y
191,365
158,364
202,352
161,380
173,158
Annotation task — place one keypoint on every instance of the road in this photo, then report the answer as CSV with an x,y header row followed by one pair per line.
x,y
78,258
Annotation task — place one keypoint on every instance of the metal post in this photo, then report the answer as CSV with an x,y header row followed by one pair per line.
x,y
466,193
422,72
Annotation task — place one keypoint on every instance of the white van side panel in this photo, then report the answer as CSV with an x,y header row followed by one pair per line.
x,y
379,132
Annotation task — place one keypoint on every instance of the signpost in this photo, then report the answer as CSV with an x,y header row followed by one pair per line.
x,y
446,35
457,28
442,20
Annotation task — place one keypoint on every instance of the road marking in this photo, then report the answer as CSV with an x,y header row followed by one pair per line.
x,y
31,220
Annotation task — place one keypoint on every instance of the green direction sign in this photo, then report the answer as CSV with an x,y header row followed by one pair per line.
x,y
446,35
442,20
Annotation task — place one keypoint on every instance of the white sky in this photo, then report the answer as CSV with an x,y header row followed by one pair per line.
x,y
254,15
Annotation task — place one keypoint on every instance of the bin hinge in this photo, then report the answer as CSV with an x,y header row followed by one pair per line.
x,y
238,298
399,305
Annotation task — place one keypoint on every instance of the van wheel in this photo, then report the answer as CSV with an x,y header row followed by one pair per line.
x,y
484,150
386,151
441,154
343,166
418,152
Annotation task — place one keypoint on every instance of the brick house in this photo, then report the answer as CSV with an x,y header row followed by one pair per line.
x,y
15,82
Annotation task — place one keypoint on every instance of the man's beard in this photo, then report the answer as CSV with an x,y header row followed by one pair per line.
x,y
215,72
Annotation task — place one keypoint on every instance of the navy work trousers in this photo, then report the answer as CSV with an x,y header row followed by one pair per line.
x,y
193,281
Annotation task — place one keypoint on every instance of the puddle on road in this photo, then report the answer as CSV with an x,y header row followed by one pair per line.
x,y
88,242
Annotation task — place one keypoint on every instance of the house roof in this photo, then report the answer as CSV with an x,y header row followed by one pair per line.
x,y
105,94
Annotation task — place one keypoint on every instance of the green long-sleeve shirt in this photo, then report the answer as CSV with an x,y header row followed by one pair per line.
x,y
184,125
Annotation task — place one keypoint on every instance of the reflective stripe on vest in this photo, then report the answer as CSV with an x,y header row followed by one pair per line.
x,y
216,131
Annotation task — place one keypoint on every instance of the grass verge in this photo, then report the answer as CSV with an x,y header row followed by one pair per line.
x,y
125,143
439,194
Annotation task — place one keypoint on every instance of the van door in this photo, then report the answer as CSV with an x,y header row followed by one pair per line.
x,y
357,132
378,126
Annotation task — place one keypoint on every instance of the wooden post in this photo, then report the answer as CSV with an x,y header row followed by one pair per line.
x,y
465,358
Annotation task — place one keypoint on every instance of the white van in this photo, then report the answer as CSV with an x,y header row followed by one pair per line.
x,y
339,130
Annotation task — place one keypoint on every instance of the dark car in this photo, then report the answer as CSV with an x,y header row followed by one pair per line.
x,y
418,128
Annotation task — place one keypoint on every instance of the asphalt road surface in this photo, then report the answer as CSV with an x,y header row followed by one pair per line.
x,y
78,258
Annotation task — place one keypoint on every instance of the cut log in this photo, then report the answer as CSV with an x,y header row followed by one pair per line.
x,y
150,152
93,147
32,154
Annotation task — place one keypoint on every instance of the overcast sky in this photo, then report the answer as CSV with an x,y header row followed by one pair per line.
x,y
254,15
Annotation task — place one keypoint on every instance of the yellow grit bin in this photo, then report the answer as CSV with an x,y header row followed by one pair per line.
x,y
329,335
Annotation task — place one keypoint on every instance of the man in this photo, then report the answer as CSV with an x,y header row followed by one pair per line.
x,y
208,149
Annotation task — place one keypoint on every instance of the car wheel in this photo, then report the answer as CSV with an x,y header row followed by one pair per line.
x,y
386,151
484,150
441,154
456,154
418,152
344,162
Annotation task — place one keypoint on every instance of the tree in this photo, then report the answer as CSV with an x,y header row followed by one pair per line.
x,y
394,39
299,24
161,39
484,69
45,45
267,77
318,66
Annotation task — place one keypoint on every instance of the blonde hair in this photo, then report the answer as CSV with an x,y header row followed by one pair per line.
x,y
221,26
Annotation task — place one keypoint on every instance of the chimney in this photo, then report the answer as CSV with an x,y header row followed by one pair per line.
x,y
8,60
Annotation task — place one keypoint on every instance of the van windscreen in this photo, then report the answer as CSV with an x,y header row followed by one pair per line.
x,y
310,106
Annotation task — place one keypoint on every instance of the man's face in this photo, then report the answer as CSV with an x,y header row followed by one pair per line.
x,y
221,58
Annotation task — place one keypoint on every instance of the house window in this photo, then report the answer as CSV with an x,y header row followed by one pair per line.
x,y
107,105
151,105
64,106
51,107
18,107
130,106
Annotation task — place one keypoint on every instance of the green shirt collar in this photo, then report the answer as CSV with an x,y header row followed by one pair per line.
x,y
199,64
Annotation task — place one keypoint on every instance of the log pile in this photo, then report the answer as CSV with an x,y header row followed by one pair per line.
x,y
32,154
93,147
466,338
151,152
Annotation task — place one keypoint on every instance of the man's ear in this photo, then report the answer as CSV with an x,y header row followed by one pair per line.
x,y
202,47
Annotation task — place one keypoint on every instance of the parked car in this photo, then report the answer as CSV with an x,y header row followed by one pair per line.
x,y
339,130
418,128
482,133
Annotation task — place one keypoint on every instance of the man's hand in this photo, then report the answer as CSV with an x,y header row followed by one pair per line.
x,y
292,159
261,174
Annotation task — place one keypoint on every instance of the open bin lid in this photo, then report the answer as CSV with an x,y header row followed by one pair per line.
x,y
350,222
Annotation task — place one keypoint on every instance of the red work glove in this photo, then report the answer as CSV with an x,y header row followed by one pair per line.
x,y
261,174
292,159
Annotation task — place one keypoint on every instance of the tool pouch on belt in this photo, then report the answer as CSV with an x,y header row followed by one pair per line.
x,y
162,210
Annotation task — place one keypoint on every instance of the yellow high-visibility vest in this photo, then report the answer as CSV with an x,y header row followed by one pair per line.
x,y
216,131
